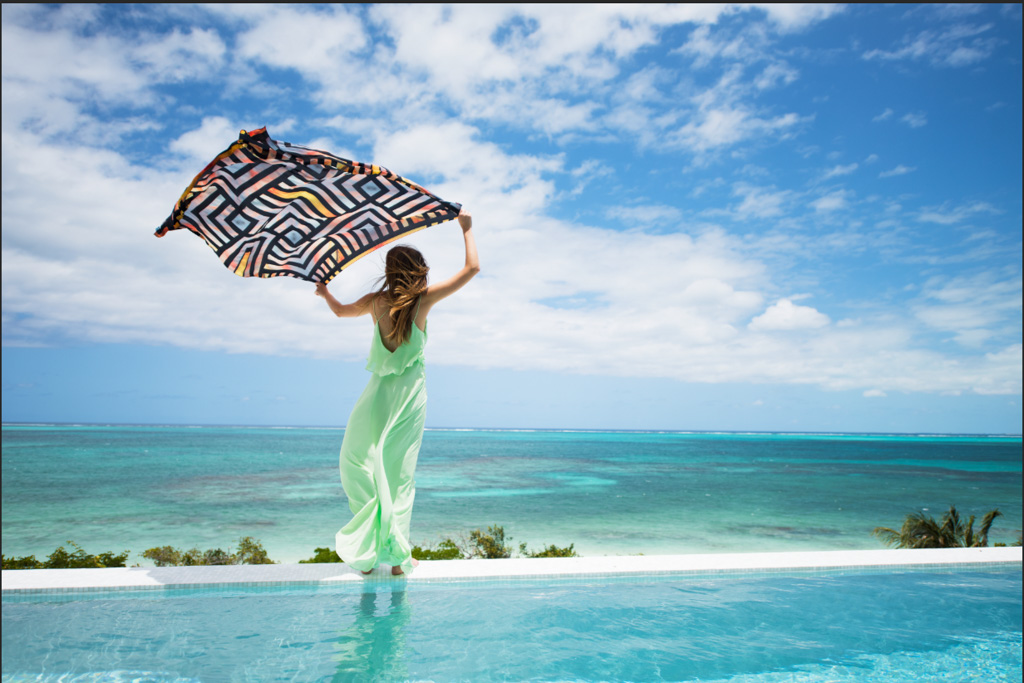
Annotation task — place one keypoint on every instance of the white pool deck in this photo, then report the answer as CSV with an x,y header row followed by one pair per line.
x,y
510,570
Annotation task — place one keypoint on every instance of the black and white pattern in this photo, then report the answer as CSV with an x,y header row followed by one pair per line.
x,y
269,208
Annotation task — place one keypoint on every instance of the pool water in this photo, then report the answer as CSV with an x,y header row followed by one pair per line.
x,y
878,626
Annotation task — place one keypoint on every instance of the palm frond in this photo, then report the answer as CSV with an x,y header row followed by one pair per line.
x,y
952,529
888,536
986,524
922,531
969,539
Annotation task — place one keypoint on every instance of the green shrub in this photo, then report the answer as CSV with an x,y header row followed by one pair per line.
x,y
323,555
490,544
445,550
218,556
164,556
250,551
550,551
62,559
26,562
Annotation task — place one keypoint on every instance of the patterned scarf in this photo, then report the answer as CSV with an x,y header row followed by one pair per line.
x,y
269,208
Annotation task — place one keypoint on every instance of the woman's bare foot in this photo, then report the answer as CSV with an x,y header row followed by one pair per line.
x,y
368,571
397,570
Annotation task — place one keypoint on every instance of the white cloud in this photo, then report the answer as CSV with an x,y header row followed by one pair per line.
x,y
897,170
797,16
775,75
759,202
727,125
884,116
840,170
785,315
547,68
179,56
947,214
202,144
973,308
327,37
50,78
874,393
958,46
833,201
650,214
704,48
915,120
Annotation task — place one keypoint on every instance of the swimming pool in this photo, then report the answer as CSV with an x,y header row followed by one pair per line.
x,y
891,625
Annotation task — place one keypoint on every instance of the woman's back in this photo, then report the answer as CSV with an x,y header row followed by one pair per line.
x,y
385,325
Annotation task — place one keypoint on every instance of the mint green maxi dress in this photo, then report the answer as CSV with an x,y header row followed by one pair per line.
x,y
378,455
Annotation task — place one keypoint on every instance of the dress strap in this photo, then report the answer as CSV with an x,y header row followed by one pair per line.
x,y
373,309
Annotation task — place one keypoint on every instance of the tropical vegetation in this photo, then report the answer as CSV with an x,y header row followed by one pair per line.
x,y
489,543
923,531
62,559
249,551
479,543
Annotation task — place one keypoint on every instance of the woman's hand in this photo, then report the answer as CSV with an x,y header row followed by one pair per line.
x,y
321,289
465,220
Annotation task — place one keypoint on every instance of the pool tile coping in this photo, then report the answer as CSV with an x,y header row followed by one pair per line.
x,y
505,570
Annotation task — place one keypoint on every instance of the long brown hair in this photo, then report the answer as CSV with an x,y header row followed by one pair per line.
x,y
405,279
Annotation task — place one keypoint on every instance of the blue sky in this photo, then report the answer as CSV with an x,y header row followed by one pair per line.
x,y
733,217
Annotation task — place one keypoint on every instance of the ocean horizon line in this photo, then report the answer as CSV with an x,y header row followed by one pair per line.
x,y
549,430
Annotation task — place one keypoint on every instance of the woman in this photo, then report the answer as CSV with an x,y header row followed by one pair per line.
x,y
384,431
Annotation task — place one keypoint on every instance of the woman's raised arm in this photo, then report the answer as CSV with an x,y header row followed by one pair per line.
x,y
436,292
353,310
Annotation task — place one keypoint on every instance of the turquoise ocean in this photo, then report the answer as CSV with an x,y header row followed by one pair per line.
x,y
120,487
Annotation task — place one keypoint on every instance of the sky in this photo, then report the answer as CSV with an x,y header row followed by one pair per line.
x,y
689,217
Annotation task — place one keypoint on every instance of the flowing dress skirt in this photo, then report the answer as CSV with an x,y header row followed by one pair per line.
x,y
378,465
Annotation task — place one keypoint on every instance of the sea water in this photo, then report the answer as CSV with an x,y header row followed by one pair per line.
x,y
114,488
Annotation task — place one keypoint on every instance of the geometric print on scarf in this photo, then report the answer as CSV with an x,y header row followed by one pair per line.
x,y
270,209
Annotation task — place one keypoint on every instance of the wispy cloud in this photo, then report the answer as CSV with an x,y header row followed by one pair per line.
x,y
831,202
840,171
760,202
958,46
915,119
645,215
948,214
975,308
897,170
